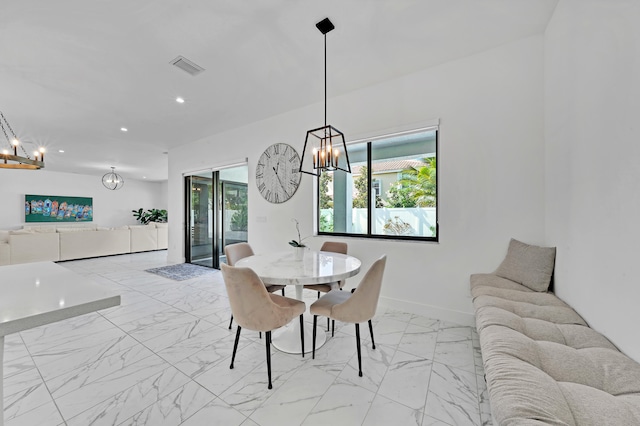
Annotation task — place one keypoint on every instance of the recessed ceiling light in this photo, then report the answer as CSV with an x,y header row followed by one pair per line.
x,y
124,129
179,100
61,151
144,177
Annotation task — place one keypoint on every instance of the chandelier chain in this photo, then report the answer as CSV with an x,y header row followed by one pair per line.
x,y
12,133
4,130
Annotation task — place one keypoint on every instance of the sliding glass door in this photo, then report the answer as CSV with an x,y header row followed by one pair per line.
x,y
217,212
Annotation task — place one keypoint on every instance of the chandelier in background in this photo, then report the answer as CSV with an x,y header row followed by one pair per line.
x,y
112,180
326,144
9,159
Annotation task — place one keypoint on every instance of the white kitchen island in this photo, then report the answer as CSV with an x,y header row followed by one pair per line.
x,y
41,293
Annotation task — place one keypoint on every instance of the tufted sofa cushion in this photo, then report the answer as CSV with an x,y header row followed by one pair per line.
x,y
544,365
542,299
556,314
573,335
557,384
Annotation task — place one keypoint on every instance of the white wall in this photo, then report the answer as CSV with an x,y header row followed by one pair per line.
x,y
162,202
490,107
592,110
110,208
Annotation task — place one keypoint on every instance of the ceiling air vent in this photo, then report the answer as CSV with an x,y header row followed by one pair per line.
x,y
186,65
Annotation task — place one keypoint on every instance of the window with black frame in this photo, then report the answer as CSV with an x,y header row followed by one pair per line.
x,y
391,193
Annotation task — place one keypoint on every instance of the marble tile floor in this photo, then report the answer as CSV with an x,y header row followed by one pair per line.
x,y
162,358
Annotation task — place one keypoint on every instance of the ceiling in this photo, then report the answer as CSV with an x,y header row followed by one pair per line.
x,y
73,72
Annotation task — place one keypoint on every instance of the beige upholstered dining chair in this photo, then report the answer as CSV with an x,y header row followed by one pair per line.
x,y
235,252
256,309
355,307
334,247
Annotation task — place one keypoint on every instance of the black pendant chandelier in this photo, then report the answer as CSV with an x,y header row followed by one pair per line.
x,y
324,147
9,159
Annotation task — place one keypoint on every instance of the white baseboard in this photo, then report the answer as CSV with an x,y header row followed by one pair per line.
x,y
462,318
176,260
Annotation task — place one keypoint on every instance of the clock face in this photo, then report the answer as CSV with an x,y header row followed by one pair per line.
x,y
278,173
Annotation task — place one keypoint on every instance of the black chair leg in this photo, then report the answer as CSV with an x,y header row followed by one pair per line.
x,y
283,291
371,332
333,327
313,344
302,334
358,346
318,295
235,347
328,325
267,339
230,321
260,334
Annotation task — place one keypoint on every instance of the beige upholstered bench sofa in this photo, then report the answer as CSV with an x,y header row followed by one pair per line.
x,y
55,243
543,364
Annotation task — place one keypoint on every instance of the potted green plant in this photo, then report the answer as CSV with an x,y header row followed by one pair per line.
x,y
151,215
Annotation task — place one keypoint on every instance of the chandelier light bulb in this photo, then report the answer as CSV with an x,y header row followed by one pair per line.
x,y
12,160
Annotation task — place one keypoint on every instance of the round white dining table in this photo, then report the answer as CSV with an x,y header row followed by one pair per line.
x,y
287,268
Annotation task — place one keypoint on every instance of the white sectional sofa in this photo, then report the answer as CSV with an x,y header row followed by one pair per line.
x,y
26,246
143,238
5,253
55,243
79,243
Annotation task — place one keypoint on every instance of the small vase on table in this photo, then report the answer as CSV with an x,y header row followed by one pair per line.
x,y
298,252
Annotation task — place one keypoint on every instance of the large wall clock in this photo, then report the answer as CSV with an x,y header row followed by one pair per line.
x,y
278,173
